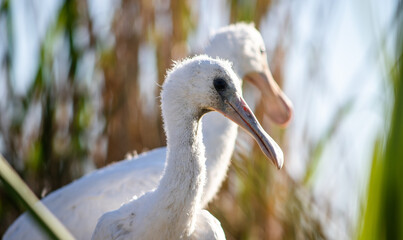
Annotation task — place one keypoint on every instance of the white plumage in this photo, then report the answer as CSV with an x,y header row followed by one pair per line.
x,y
173,210
80,204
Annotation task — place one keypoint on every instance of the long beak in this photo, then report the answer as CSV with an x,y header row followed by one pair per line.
x,y
279,107
239,112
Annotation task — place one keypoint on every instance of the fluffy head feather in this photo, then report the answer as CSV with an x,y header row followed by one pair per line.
x,y
242,44
183,82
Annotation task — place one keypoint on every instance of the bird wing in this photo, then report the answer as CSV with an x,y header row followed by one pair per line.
x,y
207,227
79,204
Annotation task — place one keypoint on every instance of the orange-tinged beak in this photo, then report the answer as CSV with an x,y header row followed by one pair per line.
x,y
279,107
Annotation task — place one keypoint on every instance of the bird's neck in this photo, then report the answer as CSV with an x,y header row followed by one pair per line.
x,y
181,186
219,135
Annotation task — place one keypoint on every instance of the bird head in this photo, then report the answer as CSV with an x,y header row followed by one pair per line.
x,y
243,45
202,84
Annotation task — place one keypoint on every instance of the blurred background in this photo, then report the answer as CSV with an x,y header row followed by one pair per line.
x,y
79,86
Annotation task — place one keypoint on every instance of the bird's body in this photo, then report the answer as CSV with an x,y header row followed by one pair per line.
x,y
80,204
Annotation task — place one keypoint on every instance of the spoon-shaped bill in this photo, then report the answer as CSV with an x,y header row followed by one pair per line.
x,y
239,112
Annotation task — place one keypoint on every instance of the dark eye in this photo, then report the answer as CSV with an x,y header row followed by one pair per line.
x,y
262,51
219,84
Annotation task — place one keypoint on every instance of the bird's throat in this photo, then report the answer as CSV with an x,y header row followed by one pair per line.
x,y
182,184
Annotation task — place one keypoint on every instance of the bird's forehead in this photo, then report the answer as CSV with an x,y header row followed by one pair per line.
x,y
203,67
247,35
254,41
223,69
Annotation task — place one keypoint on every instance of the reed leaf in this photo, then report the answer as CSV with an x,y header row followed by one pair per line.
x,y
21,192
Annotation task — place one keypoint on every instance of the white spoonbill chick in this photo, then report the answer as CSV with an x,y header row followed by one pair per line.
x,y
173,210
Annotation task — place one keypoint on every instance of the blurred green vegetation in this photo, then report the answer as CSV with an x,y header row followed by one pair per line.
x,y
81,118
53,154
383,214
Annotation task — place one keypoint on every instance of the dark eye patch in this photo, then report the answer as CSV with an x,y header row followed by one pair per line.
x,y
219,84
